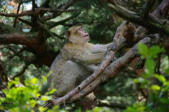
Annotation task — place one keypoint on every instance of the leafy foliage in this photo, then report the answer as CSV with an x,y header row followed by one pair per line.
x,y
156,84
25,98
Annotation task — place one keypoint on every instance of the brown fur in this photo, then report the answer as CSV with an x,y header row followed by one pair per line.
x,y
74,62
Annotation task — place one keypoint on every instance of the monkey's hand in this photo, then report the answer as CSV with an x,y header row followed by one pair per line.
x,y
100,48
92,67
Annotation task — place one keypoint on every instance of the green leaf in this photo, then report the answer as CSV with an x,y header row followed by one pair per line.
x,y
41,109
143,49
137,107
44,98
167,71
1,107
149,67
166,87
164,100
155,87
13,82
96,109
155,50
44,79
34,81
50,72
78,110
55,109
51,92
32,103
161,78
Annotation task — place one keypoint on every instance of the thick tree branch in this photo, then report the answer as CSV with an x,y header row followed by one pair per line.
x,y
16,38
150,22
25,13
33,43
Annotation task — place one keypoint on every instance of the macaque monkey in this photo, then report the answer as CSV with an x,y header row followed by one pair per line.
x,y
75,62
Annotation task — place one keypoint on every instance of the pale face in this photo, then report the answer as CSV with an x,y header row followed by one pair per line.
x,y
78,35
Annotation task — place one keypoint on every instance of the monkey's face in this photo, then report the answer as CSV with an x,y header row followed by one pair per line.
x,y
78,35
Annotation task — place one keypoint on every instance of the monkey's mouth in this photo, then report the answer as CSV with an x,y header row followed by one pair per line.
x,y
86,35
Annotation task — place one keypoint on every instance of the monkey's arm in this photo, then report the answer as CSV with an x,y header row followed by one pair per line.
x,y
91,67
97,48
92,54
89,58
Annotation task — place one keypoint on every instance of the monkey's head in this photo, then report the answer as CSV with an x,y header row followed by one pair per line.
x,y
77,34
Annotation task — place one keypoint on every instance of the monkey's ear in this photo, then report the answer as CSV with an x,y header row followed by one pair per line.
x,y
67,33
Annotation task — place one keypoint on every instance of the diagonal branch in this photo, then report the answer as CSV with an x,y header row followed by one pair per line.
x,y
111,71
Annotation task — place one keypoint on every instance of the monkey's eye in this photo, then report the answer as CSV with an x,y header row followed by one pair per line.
x,y
81,30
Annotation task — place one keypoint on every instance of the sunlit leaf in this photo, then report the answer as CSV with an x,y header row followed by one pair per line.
x,y
155,87
51,92
161,78
143,49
